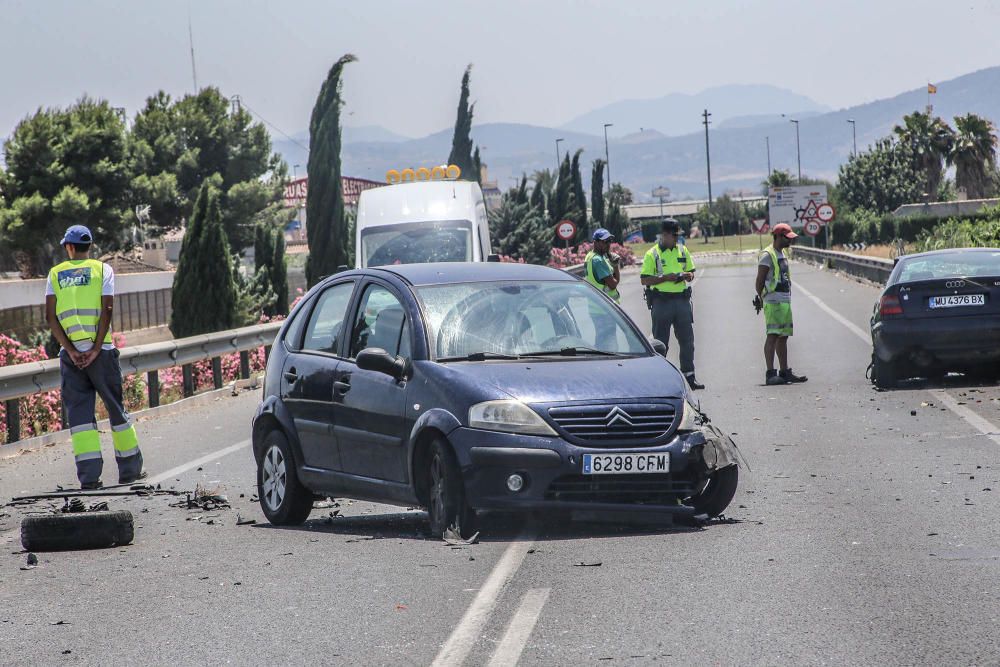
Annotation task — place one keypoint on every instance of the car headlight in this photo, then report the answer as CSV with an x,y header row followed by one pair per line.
x,y
508,416
691,418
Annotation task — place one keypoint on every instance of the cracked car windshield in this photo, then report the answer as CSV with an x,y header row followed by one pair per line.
x,y
514,318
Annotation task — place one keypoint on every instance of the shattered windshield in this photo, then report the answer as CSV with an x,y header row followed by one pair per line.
x,y
524,318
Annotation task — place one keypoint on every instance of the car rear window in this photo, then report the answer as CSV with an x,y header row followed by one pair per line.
x,y
958,264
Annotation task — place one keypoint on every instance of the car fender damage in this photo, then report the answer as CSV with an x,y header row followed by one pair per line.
x,y
718,450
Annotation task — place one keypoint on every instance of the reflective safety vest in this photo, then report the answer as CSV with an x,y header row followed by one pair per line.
x,y
778,287
659,262
588,263
77,286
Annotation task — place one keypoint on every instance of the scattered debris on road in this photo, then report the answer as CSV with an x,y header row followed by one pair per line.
x,y
586,564
452,537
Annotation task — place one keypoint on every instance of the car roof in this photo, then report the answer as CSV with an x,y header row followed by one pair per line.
x,y
436,273
946,251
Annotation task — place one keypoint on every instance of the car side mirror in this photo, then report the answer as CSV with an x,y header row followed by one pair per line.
x,y
378,360
659,347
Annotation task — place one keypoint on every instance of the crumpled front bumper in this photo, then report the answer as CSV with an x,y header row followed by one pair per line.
x,y
552,470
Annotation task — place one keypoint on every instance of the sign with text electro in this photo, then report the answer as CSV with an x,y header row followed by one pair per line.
x,y
797,205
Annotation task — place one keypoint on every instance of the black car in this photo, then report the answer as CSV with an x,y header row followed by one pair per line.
x,y
462,387
939,312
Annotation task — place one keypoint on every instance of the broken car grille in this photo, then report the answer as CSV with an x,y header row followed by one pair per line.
x,y
613,425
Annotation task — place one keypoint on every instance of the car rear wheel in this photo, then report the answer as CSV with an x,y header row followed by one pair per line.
x,y
283,499
446,505
885,374
718,493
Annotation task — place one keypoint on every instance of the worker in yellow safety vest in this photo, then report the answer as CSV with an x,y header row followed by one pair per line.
x,y
773,295
602,271
79,299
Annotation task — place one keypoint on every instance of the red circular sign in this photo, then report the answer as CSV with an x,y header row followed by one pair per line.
x,y
566,230
825,213
812,227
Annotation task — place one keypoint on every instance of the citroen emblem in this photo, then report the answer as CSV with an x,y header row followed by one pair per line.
x,y
618,416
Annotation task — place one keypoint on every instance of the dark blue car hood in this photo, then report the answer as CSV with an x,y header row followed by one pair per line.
x,y
580,379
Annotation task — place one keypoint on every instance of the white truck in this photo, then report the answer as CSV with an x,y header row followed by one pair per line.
x,y
414,220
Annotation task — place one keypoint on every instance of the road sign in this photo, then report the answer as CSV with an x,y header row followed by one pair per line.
x,y
566,230
760,225
661,192
825,213
812,227
796,205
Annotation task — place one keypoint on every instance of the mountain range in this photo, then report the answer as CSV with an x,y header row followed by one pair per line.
x,y
745,119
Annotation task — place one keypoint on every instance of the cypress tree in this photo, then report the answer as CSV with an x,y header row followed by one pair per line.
x,y
279,273
538,197
330,243
579,200
561,200
204,296
597,194
477,166
461,143
263,249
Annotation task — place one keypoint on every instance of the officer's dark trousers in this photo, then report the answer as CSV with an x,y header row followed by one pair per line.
x,y
678,313
80,388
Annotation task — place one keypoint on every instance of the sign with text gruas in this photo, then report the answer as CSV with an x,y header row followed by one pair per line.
x,y
798,204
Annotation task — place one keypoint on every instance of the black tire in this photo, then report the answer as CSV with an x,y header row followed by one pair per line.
x,y
718,493
446,505
283,498
77,530
885,374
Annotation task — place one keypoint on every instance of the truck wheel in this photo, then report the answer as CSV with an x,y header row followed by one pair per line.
x,y
77,530
283,499
718,493
446,505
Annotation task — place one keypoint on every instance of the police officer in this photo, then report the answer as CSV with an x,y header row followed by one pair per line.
x,y
603,272
667,270
773,289
79,298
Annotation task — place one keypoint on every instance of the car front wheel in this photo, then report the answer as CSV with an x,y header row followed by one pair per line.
x,y
718,493
446,505
282,497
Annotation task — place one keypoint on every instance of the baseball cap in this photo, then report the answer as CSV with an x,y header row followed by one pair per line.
x,y
783,229
601,234
671,226
77,234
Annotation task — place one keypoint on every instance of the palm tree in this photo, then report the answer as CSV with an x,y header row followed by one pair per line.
x,y
974,154
931,141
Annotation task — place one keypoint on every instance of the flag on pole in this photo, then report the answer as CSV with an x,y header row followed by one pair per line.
x,y
931,89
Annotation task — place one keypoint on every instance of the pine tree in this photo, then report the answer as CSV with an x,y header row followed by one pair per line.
x,y
461,143
597,194
330,243
204,295
279,274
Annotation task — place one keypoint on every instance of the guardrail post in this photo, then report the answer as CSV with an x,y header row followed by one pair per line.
x,y
153,388
13,407
245,365
217,372
188,373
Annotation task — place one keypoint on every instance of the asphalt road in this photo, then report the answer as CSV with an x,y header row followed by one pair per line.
x,y
864,534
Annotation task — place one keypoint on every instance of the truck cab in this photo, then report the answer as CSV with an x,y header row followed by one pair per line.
x,y
414,220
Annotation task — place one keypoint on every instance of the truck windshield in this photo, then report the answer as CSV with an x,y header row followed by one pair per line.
x,y
417,242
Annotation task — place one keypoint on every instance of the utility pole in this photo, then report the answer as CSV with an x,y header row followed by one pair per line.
x,y
194,74
798,151
558,161
854,132
767,143
708,166
607,156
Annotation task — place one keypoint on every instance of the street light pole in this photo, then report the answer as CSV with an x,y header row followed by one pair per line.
x,y
854,133
558,161
708,167
607,155
798,150
767,143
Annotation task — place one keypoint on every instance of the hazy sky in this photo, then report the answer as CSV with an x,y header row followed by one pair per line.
x,y
541,62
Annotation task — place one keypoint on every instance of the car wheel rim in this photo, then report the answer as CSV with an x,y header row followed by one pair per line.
x,y
437,489
273,479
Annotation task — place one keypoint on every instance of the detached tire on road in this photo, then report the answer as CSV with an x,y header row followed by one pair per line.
x,y
77,530
718,493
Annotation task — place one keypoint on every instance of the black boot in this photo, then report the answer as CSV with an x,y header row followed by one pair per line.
x,y
693,381
773,378
792,377
91,486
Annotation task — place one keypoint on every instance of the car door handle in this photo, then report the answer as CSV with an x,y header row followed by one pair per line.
x,y
290,375
341,387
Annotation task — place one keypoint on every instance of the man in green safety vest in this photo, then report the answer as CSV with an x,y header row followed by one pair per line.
x,y
667,271
79,299
602,271
773,289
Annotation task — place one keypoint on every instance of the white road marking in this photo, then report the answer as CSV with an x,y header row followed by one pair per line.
x,y
981,424
207,458
459,644
519,631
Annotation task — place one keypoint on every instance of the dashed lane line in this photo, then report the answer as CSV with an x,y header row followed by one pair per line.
x,y
465,635
519,631
978,422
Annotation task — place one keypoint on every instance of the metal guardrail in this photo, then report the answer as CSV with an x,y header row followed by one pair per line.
x,y
26,379
871,268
